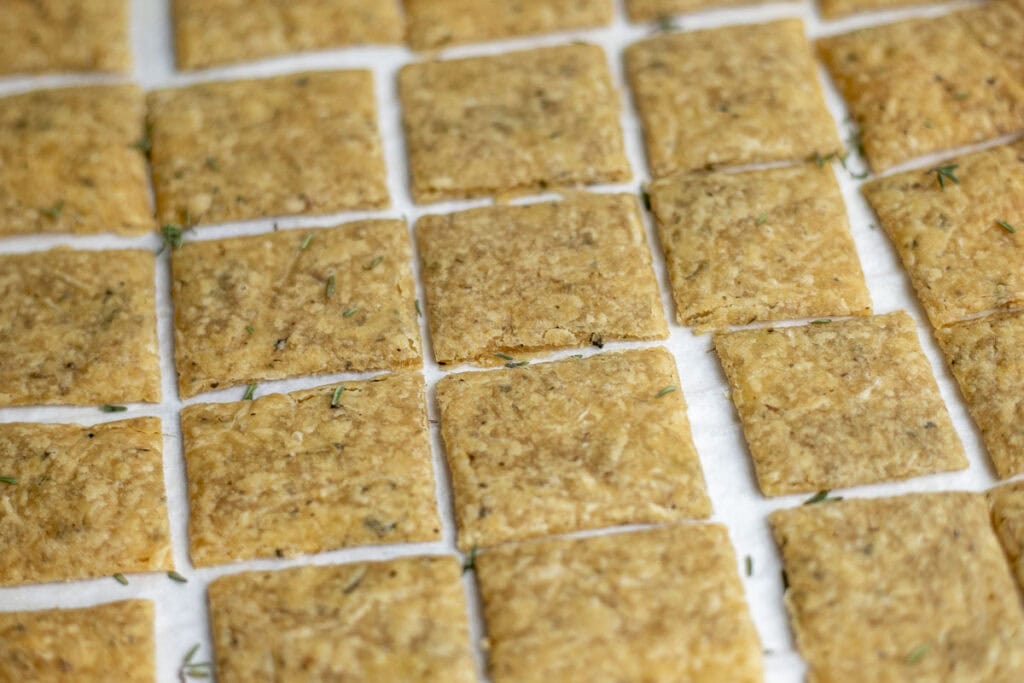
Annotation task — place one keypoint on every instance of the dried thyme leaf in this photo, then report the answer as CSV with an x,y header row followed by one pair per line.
x,y
113,409
946,172
517,363
646,197
375,262
336,396
1006,226
305,241
354,582
822,497
329,290
762,218
918,653
821,321
470,564
249,391
9,480
172,235
418,312
54,211
667,390
350,312
749,565
212,164
175,576
121,579
249,329
504,356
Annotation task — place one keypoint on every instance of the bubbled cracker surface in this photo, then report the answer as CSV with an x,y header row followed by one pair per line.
x,y
920,86
661,605
570,445
537,277
88,502
840,404
986,356
998,27
960,260
729,96
1007,506
401,621
514,122
272,284
213,32
648,10
305,143
68,162
109,642
289,473
439,23
911,588
80,328
761,245
58,35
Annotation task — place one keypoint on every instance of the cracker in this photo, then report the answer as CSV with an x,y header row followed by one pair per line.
x,y
761,245
213,32
658,605
536,277
440,23
838,404
86,502
343,302
729,96
304,143
570,445
911,588
920,86
288,473
961,261
109,642
515,122
1007,504
80,328
833,9
68,164
401,620
986,356
650,10
57,35
998,27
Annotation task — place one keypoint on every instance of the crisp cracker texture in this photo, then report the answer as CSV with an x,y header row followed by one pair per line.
x,y
729,96
212,32
998,26
343,301
570,445
439,23
662,606
68,161
508,279
302,472
649,10
921,86
834,9
911,588
514,122
88,501
1007,505
986,356
760,245
961,261
58,35
79,328
109,642
305,143
838,404
401,621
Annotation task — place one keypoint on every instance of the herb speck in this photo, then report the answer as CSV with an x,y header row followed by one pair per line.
x,y
249,392
667,390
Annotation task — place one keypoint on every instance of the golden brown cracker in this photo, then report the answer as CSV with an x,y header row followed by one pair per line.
x,y
729,96
649,10
1007,506
398,621
294,302
80,328
998,26
838,404
661,605
305,143
514,122
911,588
760,245
834,9
508,279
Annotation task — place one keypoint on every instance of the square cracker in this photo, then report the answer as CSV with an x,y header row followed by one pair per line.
x,y
305,143
87,502
920,86
553,448
68,164
761,245
911,588
838,404
58,35
1007,505
440,23
537,277
729,96
80,328
961,261
212,32
344,301
355,474
986,356
660,605
514,122
400,621
109,642
649,10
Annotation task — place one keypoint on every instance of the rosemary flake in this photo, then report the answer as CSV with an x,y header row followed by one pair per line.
x,y
1006,226
470,563
375,262
305,241
748,563
9,480
918,653
54,211
113,409
249,392
249,329
175,576
667,390
120,578
173,235
946,173
329,289
336,396
822,497
350,312
762,218
504,356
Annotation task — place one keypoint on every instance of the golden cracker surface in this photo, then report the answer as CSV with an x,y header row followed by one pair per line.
x,y
1007,506
648,10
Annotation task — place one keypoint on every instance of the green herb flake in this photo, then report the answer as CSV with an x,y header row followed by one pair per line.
x,y
54,211
516,363
144,145
1006,226
113,409
918,653
336,396
946,173
172,235
961,95
305,241
175,576
329,289
212,164
822,497
646,197
418,312
249,329
667,23
762,218
667,390
249,391
375,262
785,580
504,356
355,580
821,321
9,480
748,563
121,579
470,563
350,312
193,669
576,355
